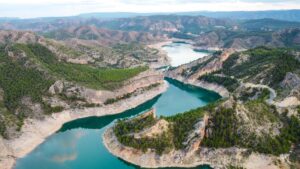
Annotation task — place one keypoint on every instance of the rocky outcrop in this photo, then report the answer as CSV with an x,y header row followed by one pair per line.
x,y
222,91
190,73
105,36
157,129
18,37
194,154
35,131
140,81
216,158
150,158
291,84
289,102
120,54
225,39
291,81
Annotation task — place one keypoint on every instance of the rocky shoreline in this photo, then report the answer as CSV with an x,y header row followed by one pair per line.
x,y
222,91
34,131
216,158
220,158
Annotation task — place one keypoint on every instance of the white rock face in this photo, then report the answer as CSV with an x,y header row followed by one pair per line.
x,y
217,158
142,80
34,131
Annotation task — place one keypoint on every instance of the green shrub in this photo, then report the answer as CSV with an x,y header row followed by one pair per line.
x,y
224,129
224,133
113,100
182,124
127,126
274,62
229,83
97,78
179,127
18,81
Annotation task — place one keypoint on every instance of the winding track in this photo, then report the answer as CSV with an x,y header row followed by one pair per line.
x,y
273,93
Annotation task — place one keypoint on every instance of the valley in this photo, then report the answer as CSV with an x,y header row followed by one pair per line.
x,y
155,91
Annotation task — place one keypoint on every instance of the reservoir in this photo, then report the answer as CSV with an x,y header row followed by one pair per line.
x,y
78,144
182,53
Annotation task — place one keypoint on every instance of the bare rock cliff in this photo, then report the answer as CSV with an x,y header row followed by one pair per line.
x,y
35,131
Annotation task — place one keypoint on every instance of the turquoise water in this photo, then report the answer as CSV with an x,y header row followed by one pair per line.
x,y
78,144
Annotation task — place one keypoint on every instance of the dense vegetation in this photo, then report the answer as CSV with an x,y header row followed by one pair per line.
x,y
273,63
161,144
224,130
137,124
261,112
180,126
28,72
229,83
18,81
83,74
281,143
125,127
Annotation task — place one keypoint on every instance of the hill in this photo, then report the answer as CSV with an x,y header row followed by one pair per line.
x,y
156,23
242,40
104,36
250,123
287,15
39,76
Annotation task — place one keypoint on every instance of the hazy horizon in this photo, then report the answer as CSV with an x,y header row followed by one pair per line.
x,y
55,8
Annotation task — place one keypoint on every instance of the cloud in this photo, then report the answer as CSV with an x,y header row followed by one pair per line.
x,y
38,8
68,150
61,158
134,1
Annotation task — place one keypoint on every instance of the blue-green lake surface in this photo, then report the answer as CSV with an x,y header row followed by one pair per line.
x,y
78,144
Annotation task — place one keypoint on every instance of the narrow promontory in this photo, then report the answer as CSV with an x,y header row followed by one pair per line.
x,y
251,128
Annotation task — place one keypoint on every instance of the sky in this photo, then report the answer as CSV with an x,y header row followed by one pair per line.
x,y
46,8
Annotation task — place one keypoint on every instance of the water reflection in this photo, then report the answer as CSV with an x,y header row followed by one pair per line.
x,y
78,144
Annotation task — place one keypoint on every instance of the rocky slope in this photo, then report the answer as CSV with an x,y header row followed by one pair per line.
x,y
277,68
104,36
258,121
241,40
190,73
168,23
41,87
208,33
35,131
37,78
81,51
198,151
156,23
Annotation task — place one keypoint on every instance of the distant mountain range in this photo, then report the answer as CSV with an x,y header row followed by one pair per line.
x,y
206,32
288,15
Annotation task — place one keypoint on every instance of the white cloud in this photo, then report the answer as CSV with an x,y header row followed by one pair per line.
x,y
38,8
